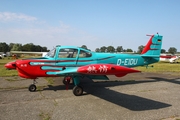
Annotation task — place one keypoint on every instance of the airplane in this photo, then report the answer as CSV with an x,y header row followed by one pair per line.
x,y
75,63
169,58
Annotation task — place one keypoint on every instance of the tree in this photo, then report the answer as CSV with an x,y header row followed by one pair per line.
x,y
103,49
28,47
119,49
124,50
163,51
11,46
140,49
4,47
172,50
44,49
84,46
98,50
16,47
129,50
110,49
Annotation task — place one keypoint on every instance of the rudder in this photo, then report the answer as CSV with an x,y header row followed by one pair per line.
x,y
153,47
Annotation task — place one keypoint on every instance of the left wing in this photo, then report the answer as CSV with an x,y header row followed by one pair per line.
x,y
96,69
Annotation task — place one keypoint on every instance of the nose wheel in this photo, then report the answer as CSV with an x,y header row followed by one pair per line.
x,y
32,87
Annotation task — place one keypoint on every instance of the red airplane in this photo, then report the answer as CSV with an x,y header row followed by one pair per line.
x,y
76,63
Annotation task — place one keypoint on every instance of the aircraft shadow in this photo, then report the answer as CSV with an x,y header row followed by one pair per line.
x,y
174,80
55,88
131,102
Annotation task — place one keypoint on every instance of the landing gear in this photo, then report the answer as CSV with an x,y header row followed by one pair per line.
x,y
77,90
32,87
66,80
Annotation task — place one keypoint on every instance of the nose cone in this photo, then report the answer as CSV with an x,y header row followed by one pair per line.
x,y
10,65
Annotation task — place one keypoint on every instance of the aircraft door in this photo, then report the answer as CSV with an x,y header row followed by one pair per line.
x,y
67,57
85,58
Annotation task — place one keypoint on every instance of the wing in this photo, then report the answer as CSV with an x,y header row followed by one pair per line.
x,y
106,69
96,70
73,71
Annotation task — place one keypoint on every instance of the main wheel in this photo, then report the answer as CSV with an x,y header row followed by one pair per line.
x,y
32,88
77,90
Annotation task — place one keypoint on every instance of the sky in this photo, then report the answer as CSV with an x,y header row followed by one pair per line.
x,y
94,23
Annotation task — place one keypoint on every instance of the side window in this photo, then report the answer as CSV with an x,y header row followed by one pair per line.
x,y
84,54
67,53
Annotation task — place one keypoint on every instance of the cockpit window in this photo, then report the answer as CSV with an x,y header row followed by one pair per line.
x,y
51,53
67,53
84,54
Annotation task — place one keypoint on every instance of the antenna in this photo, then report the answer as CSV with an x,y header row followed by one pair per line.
x,y
148,35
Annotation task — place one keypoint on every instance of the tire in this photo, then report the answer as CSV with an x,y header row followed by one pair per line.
x,y
32,88
77,90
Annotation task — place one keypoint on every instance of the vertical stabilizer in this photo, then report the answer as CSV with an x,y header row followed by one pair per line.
x,y
153,47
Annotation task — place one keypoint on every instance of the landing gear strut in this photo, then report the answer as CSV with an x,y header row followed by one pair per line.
x,y
77,90
32,87
66,80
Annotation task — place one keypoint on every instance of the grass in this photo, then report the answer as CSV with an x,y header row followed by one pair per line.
x,y
8,73
159,67
15,78
44,116
3,71
49,80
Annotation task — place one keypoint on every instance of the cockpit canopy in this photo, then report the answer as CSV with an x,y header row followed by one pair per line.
x,y
69,52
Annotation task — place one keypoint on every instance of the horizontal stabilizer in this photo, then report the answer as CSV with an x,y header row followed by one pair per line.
x,y
144,55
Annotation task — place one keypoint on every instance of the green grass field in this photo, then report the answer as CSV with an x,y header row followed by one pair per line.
x,y
159,67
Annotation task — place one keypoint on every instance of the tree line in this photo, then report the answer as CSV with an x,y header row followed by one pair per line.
x,y
119,49
4,47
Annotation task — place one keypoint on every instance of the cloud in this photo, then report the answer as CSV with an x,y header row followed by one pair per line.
x,y
8,16
49,37
41,33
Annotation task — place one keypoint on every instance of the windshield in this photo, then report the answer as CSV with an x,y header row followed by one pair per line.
x,y
51,53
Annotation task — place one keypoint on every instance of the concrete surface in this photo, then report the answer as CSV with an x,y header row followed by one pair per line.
x,y
140,96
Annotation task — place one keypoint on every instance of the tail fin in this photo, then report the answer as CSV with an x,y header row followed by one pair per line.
x,y
153,47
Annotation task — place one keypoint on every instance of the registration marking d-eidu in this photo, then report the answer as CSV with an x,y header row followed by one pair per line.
x,y
131,61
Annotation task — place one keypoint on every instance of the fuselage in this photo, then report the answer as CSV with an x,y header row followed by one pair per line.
x,y
61,58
